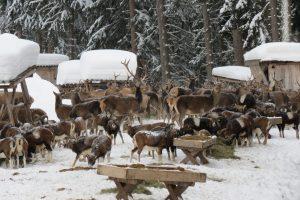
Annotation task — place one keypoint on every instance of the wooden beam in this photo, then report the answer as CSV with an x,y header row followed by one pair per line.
x,y
21,77
26,99
9,107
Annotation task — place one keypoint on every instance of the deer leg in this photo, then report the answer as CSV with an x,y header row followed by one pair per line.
x,y
115,137
168,151
139,154
159,155
18,160
132,152
76,158
108,156
24,160
121,136
173,152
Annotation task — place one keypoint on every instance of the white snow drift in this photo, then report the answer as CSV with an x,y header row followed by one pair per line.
x,y
233,72
42,93
275,51
47,59
16,55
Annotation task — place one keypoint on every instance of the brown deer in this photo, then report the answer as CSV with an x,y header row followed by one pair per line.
x,y
62,111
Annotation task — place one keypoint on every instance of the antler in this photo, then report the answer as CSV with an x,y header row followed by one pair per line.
x,y
116,76
125,63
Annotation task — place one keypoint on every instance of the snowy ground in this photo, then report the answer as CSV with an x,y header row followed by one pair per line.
x,y
270,172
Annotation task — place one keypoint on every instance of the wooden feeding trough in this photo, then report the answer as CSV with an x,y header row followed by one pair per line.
x,y
275,120
127,177
194,147
10,99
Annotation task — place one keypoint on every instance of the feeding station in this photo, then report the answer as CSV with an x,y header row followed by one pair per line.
x,y
194,146
128,177
18,58
232,74
275,61
97,68
47,65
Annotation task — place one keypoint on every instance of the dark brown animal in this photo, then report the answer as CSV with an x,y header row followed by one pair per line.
x,y
81,146
101,147
37,137
132,130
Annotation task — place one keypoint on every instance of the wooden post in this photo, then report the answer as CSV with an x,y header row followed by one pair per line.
x,y
26,99
9,107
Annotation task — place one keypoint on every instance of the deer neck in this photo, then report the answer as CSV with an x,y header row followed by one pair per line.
x,y
216,97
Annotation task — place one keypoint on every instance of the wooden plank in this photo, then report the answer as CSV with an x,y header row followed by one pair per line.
x,y
26,99
178,142
154,174
112,171
21,77
165,175
9,107
275,120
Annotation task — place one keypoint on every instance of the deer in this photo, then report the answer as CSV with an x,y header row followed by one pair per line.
x,y
196,104
62,111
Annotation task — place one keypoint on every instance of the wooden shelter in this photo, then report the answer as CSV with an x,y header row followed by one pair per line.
x,y
10,99
47,65
277,61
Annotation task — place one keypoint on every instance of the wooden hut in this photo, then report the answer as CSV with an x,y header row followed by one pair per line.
x,y
232,74
276,61
47,65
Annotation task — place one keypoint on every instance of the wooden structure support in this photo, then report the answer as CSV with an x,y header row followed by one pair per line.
x,y
10,101
194,149
128,177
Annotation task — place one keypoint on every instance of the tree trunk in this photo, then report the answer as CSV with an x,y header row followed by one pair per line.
x,y
133,40
164,53
238,47
286,20
274,21
207,37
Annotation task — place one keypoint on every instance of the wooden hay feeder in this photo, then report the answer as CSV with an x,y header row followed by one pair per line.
x,y
10,99
194,147
127,177
275,120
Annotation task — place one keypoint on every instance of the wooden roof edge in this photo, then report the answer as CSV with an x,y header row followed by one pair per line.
x,y
19,78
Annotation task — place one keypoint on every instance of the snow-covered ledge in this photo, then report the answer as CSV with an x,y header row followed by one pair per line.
x,y
241,73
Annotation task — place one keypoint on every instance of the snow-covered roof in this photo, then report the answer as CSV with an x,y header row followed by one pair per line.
x,y
47,59
233,72
16,55
103,64
68,72
275,51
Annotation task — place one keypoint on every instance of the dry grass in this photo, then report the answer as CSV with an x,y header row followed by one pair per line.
x,y
223,151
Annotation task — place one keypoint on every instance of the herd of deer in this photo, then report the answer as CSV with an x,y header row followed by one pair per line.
x,y
233,113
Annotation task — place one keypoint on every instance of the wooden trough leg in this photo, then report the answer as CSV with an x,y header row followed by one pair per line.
x,y
190,156
125,188
26,100
176,190
9,107
202,157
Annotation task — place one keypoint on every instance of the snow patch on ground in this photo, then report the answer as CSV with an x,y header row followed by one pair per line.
x,y
268,172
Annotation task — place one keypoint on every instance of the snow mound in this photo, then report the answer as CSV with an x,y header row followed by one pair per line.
x,y
275,51
68,72
42,93
103,64
47,59
233,72
16,55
